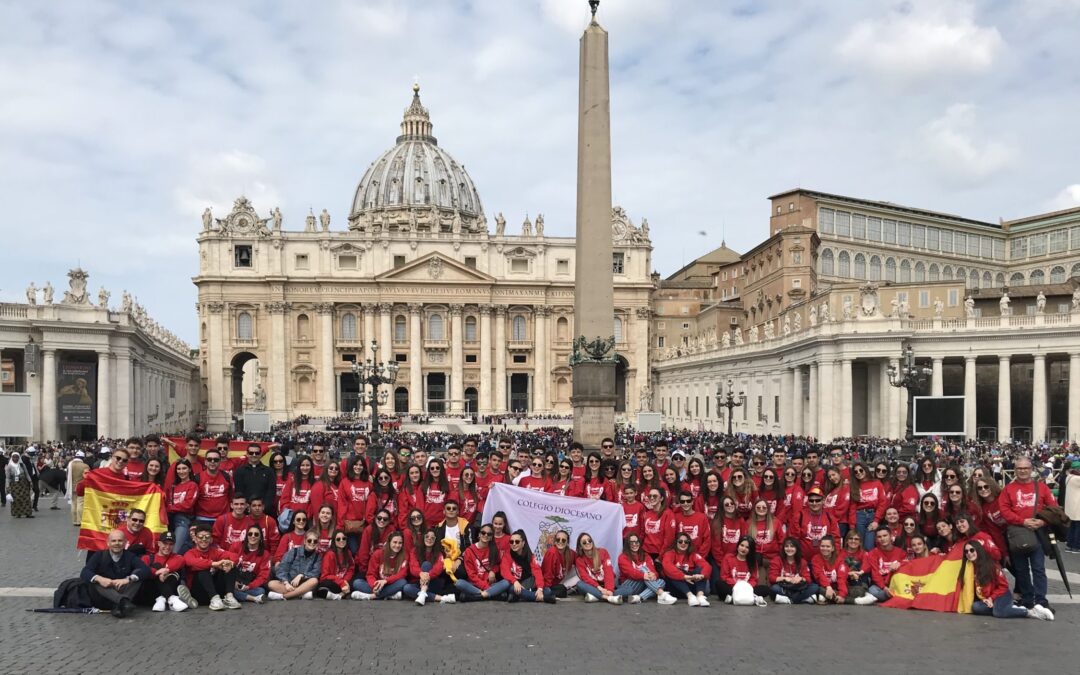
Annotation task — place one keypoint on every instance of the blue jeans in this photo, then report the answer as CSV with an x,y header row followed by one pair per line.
x,y
1073,540
881,594
435,584
1002,609
242,596
389,589
863,518
589,589
810,591
495,589
642,589
1030,572
682,589
180,524
528,594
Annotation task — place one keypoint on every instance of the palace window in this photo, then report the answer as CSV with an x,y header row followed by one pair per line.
x,y
245,329
399,329
618,263
618,330
436,327
517,328
827,262
1057,275
470,329
348,326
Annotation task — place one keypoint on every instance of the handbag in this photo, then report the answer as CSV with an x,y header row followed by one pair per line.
x,y
742,593
354,526
1020,538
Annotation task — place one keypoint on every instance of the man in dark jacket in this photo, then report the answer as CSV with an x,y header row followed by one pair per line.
x,y
255,479
115,576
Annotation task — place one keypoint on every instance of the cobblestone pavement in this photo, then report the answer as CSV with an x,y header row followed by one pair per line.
x,y
398,637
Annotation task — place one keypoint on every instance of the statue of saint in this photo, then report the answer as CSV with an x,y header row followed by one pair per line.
x,y
969,307
1040,303
276,216
939,308
813,316
47,293
500,224
207,219
309,222
324,220
31,294
540,225
1003,304
103,298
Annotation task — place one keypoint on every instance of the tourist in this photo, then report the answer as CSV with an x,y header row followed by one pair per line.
x,y
658,523
324,525
594,483
383,497
229,529
374,537
812,524
481,563
992,594
255,479
180,504
294,537
435,489
858,569
211,571
115,576
988,511
215,490
766,533
830,572
739,566
296,495
328,489
883,562
427,565
501,537
867,495
558,566
741,489
692,523
521,569
789,575
266,524
686,572
161,587
563,482
927,479
338,566
18,485
140,539
252,564
596,573
297,575
1021,501
470,503
638,573
153,472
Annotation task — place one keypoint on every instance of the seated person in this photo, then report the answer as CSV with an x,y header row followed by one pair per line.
x,y
115,576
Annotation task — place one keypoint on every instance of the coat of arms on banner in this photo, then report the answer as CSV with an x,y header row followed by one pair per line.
x,y
549,527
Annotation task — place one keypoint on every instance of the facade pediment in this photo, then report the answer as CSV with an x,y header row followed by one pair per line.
x,y
436,268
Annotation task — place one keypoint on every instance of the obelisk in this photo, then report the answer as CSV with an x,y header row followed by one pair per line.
x,y
593,359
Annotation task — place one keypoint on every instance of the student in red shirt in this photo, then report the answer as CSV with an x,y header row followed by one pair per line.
x,y
658,524
294,537
386,572
435,489
520,568
338,566
481,563
453,464
266,523
374,538
501,538
883,562
789,575
593,482
325,524
180,504
624,475
992,594
211,571
426,567
741,566
558,565
353,498
633,512
468,498
765,532
133,470
686,572
837,498
858,571
252,564
692,523
410,494
563,482
867,494
905,496
383,497
296,495
215,490
328,489
596,574
727,528
535,480
830,572
164,581
638,573
229,528
281,476
812,523
712,494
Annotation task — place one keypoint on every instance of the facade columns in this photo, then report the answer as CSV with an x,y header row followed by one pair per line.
x,y
897,398
327,395
825,394
484,404
970,413
1074,397
49,429
386,344
541,402
500,359
278,393
1038,400
369,333
797,402
217,414
873,399
416,361
787,379
124,394
937,385
1004,399
104,396
457,361
812,422
846,405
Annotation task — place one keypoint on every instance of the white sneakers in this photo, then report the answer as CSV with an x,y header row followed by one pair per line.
x,y
1041,613
421,598
396,596
692,600
274,595
614,599
330,595
865,600
591,598
216,604
308,596
231,602
447,600
760,601
185,594
665,599
636,600
360,595
159,604
177,605
782,600
257,599
702,601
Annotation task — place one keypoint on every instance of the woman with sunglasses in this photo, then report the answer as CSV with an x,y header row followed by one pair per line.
x,y
391,465
766,533
468,496
741,489
352,500
609,469
281,477
560,573
338,566
949,477
374,538
638,573
728,527
328,489
789,576
426,567
830,573
991,520
594,483
882,474
794,496
741,566
927,478
658,524
414,528
807,479
857,568
686,572
563,483
296,495
252,565
905,496
908,529
837,498
435,489
624,476
520,568
992,594
867,494
180,504
967,530
383,497
595,571
535,480
956,501
772,492
928,516
385,579
294,537
481,563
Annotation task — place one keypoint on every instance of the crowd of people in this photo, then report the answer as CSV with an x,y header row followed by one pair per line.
x,y
751,520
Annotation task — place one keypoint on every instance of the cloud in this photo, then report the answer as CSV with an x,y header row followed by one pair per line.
x,y
1068,198
951,144
924,38
216,182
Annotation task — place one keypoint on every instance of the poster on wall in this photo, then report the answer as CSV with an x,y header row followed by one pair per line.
x,y
76,389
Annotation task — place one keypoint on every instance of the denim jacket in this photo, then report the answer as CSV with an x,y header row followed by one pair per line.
x,y
298,561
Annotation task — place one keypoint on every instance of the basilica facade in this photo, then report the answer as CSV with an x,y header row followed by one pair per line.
x,y
478,321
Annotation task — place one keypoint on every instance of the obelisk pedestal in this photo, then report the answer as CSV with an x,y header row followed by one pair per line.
x,y
593,359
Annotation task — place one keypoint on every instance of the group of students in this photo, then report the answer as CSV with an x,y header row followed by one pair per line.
x,y
409,527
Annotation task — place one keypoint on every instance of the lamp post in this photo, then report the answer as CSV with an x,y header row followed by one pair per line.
x,y
909,376
727,400
374,374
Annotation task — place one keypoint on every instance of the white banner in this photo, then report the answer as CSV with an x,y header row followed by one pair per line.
x,y
541,515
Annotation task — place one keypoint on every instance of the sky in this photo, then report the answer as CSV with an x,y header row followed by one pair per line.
x,y
121,121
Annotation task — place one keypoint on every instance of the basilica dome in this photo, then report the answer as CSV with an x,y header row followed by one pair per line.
x,y
416,184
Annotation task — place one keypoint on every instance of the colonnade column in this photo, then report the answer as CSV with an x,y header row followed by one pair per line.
x,y
970,412
104,396
484,404
937,385
826,411
1038,400
1004,399
812,422
217,413
846,404
124,394
386,344
369,332
1074,397
896,407
416,361
499,404
541,403
48,395
787,377
457,361
277,397
796,402
327,394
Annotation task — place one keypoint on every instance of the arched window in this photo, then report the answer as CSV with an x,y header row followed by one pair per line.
x,y
860,266
987,280
920,271
1037,278
562,390
517,328
827,262
245,329
890,269
875,268
947,273
973,279
562,329
435,327
305,390
1017,279
470,329
961,274
843,264
399,329
348,326
618,330
1057,275
999,280
934,272
905,271
303,327
1075,270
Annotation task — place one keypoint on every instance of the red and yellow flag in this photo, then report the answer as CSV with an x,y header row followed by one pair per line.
x,y
237,454
934,583
107,500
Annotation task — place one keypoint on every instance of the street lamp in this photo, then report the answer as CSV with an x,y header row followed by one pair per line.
x,y
374,374
911,377
727,400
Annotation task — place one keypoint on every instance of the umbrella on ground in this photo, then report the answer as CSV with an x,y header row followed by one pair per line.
x,y
1055,552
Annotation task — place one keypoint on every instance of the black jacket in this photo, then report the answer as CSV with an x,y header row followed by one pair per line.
x,y
256,481
101,564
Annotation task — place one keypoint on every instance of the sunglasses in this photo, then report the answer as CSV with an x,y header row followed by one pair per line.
x,y
339,538
980,488
550,461
929,502
516,541
454,454
486,533
255,453
311,542
539,465
880,470
279,461
382,519
416,517
683,542
686,501
254,534
122,460
300,519
815,500
209,460
450,507
136,520
969,550
515,467
607,445
626,469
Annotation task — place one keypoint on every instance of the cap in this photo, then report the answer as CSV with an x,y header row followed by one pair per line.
x,y
815,491
167,536
678,453
104,450
80,454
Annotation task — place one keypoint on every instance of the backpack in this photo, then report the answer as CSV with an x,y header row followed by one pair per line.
x,y
73,594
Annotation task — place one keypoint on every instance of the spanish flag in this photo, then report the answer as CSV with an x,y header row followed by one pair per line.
x,y
107,500
936,583
237,449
